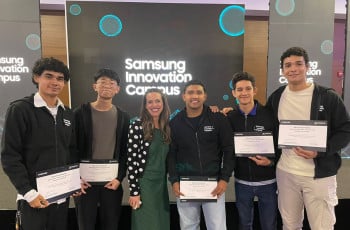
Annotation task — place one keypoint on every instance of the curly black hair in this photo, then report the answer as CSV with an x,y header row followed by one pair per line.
x,y
294,51
51,64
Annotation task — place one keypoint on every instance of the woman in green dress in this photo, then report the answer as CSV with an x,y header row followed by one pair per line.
x,y
148,145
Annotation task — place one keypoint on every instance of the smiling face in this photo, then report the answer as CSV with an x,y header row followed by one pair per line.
x,y
294,69
154,104
50,83
244,92
194,97
106,88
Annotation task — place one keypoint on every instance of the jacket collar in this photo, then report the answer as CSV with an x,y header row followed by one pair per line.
x,y
39,101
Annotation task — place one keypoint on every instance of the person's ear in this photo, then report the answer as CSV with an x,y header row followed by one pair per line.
x,y
233,93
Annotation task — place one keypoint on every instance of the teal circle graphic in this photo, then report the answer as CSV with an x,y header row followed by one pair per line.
x,y
225,97
285,7
75,9
33,41
110,25
231,21
230,84
327,47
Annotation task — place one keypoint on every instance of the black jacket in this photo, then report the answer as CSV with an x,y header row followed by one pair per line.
x,y
206,151
84,131
325,105
246,169
32,141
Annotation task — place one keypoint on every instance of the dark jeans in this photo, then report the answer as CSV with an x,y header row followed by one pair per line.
x,y
53,217
267,203
109,203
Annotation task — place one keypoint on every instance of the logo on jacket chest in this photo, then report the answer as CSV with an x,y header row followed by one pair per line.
x,y
321,108
208,128
258,128
66,122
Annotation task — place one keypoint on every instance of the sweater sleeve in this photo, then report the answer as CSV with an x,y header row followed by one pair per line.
x,y
136,162
123,147
226,143
339,135
12,145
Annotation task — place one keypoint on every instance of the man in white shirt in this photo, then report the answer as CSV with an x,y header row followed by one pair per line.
x,y
307,178
39,135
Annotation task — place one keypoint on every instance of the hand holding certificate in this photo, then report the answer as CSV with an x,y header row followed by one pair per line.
x,y
98,171
253,143
197,189
58,183
310,135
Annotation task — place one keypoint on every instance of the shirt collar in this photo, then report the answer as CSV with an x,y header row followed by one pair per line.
x,y
39,101
252,112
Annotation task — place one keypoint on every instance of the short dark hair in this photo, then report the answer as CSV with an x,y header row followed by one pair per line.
x,y
51,64
106,72
240,76
296,51
194,82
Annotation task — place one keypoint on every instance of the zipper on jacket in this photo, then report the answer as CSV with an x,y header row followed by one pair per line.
x,y
55,130
56,149
199,154
249,162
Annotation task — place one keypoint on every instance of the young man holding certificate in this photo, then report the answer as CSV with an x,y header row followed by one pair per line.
x,y
253,129
306,177
200,160
102,134
38,136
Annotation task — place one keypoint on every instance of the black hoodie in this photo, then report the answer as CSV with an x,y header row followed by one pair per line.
x,y
325,105
206,151
262,120
33,141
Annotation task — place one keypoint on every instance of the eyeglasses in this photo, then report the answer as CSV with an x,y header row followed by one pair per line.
x,y
107,83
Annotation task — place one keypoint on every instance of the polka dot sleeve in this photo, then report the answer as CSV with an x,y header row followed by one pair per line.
x,y
137,155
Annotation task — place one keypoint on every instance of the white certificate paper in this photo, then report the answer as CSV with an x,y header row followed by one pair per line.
x,y
197,189
98,171
253,143
58,183
310,135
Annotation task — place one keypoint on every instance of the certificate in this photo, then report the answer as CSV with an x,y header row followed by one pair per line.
x,y
253,143
98,171
58,183
197,189
310,135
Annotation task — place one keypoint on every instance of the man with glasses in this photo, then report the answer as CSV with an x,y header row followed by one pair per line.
x,y
102,134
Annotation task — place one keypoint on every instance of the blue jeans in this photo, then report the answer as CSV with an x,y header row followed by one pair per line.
x,y
267,203
214,214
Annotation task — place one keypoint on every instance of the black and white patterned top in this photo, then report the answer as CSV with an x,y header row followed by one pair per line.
x,y
137,156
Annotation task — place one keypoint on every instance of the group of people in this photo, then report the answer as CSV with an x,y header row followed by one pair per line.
x,y
41,133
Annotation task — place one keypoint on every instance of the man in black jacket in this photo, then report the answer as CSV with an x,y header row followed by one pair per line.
x,y
304,177
38,136
254,173
102,134
201,147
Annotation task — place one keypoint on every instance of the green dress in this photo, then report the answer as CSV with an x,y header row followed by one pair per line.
x,y
154,211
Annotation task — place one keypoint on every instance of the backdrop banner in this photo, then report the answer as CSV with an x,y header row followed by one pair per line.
x,y
307,24
154,45
20,47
